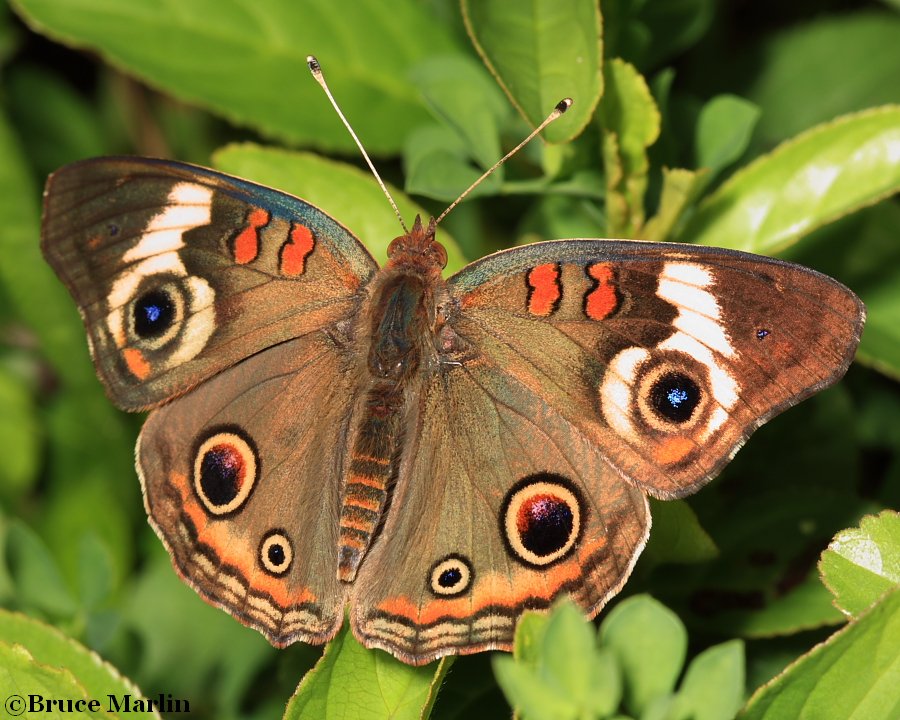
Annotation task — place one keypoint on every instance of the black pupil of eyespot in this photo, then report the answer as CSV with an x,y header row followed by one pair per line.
x,y
154,313
450,578
276,554
221,474
545,524
675,396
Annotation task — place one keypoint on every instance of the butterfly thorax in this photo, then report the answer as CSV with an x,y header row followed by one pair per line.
x,y
402,318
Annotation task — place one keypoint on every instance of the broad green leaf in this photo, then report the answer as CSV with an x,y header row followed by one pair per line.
x,y
676,535
862,564
460,92
713,686
352,682
346,193
540,52
569,645
815,178
630,124
529,638
50,653
854,675
20,436
528,692
723,131
248,62
679,190
28,687
650,642
35,574
437,164
831,65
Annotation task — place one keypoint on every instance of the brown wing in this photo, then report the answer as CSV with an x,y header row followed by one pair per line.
x,y
665,356
180,272
501,505
241,482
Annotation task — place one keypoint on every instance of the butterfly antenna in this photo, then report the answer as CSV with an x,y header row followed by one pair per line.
x,y
316,71
560,108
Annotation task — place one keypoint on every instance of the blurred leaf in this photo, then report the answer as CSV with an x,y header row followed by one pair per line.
x,y
854,674
723,131
679,190
811,180
188,647
459,91
346,193
676,535
52,654
38,582
674,26
249,63
541,52
535,697
20,437
631,124
437,164
651,643
62,128
828,66
713,686
96,581
862,564
350,681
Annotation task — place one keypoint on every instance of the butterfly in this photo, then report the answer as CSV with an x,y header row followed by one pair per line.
x,y
438,454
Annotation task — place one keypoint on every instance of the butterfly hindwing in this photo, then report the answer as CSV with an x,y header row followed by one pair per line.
x,y
180,272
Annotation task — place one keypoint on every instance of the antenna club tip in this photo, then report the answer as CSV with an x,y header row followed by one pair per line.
x,y
564,104
313,64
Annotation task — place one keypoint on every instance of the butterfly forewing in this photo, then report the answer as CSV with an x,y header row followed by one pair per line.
x,y
180,272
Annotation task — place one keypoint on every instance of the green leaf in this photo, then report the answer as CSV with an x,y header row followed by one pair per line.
x,y
829,66
348,194
531,694
676,535
854,675
650,642
529,637
459,91
862,564
713,686
35,574
540,52
803,184
20,436
679,190
631,124
248,63
350,681
41,654
723,131
568,648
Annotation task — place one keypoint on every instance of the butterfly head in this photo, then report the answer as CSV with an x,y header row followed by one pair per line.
x,y
418,249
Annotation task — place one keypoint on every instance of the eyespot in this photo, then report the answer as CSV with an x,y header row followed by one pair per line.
x,y
276,552
226,467
541,519
156,315
674,396
451,576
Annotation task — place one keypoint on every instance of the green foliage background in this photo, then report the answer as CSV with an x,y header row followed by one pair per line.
x,y
770,127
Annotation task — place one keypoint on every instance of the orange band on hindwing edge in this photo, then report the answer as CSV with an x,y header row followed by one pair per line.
x,y
544,289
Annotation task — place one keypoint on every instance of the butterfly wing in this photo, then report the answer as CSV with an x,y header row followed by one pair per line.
x,y
666,356
501,506
241,480
180,272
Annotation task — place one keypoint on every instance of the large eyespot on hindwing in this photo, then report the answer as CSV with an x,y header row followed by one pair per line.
x,y
541,519
276,553
451,576
159,315
226,467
